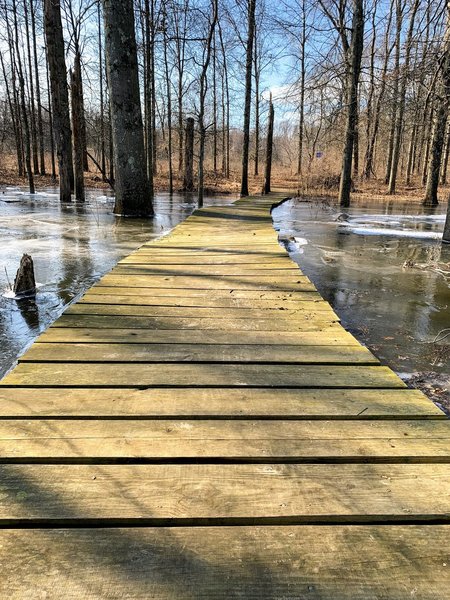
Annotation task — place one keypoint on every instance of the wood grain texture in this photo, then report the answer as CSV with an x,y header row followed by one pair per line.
x,y
200,375
222,403
239,353
204,382
216,441
211,563
224,494
329,335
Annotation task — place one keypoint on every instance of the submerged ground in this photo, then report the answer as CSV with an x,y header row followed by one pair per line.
x,y
380,265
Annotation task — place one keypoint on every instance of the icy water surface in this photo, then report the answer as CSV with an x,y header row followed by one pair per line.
x,y
72,246
384,270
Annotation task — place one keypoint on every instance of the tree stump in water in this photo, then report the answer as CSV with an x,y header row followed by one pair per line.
x,y
24,283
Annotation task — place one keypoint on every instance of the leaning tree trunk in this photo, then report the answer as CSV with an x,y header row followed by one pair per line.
x,y
248,96
352,95
60,97
133,193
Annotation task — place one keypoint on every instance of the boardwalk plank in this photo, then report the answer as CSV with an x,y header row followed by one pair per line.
x,y
215,440
329,335
256,563
147,353
200,375
258,494
298,313
308,322
222,403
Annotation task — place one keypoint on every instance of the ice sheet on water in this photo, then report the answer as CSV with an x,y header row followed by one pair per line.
x,y
385,231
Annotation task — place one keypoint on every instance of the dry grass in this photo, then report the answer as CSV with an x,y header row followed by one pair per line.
x,y
318,183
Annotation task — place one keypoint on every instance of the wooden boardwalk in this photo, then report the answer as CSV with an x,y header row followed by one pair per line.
x,y
200,425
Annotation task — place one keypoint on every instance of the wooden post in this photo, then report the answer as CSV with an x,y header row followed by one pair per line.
x,y
188,180
268,171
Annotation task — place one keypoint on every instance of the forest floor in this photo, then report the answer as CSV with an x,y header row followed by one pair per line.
x,y
323,187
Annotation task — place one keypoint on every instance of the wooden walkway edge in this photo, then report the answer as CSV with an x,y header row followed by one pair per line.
x,y
200,425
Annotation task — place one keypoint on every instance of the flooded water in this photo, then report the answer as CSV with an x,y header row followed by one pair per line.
x,y
72,246
384,270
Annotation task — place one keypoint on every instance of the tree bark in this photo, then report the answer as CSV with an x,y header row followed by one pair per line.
x,y
268,169
60,96
401,104
133,193
248,96
203,90
188,180
23,106
32,103
352,100
77,116
38,91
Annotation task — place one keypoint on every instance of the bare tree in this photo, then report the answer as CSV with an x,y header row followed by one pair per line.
x,y
133,193
248,95
60,97
203,89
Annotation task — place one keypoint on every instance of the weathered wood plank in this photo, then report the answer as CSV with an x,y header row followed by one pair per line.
x,y
215,441
267,261
327,336
147,353
321,311
295,283
168,494
200,375
207,270
308,322
224,302
164,292
256,563
221,403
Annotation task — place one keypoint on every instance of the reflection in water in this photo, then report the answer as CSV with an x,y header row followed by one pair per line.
x,y
391,291
72,246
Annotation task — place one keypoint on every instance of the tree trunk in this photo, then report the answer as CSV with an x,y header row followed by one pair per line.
x,y
148,93
38,91
60,96
13,116
133,194
446,234
203,90
446,158
268,170
34,142
248,96
398,40
102,105
23,105
301,118
77,116
188,180
227,105
352,99
256,75
50,125
169,107
402,100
